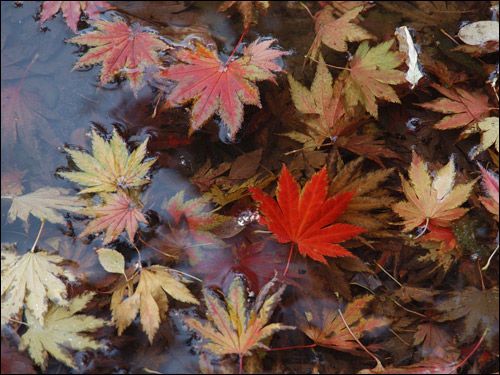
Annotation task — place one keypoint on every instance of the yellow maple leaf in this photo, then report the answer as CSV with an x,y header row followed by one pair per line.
x,y
62,330
237,326
431,200
111,167
149,298
31,279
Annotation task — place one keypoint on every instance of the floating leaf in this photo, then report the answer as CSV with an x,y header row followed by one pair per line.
x,y
217,87
306,218
119,213
111,260
248,9
44,204
31,279
111,167
237,326
148,298
435,200
72,10
122,50
62,330
489,134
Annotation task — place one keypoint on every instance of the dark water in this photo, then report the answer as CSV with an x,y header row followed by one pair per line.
x,y
47,105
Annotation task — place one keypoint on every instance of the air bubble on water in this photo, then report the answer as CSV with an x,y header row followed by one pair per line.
x,y
474,151
412,124
246,217
225,133
334,138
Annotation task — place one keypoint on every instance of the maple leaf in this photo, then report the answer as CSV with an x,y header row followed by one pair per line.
x,y
72,10
217,87
368,207
490,185
478,308
306,218
194,211
431,200
44,204
118,213
148,298
489,135
122,50
463,108
371,72
444,236
248,9
111,167
329,330
31,279
336,32
237,326
427,366
62,330
435,341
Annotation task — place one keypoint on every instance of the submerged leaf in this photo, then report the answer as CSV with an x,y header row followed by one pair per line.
x,y
72,10
237,326
61,331
248,9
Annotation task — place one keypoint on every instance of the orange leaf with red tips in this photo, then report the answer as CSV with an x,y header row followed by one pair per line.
x,y
307,218
222,88
72,10
122,50
463,108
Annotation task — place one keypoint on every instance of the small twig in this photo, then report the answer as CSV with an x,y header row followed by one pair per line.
x,y
486,266
388,274
186,274
449,36
38,236
19,322
359,342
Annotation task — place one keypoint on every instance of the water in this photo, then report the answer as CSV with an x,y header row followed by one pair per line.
x,y
46,105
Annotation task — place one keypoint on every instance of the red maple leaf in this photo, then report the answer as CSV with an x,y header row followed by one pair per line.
x,y
221,87
72,10
122,49
306,218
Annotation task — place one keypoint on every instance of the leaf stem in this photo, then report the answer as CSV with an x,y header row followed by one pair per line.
x,y
330,66
293,347
474,349
388,274
426,226
186,274
156,249
289,259
359,342
245,31
306,8
486,266
240,360
38,236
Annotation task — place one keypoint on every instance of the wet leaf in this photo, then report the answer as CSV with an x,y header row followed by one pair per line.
x,y
148,299
336,32
14,362
236,326
435,200
72,10
307,218
329,330
62,331
111,167
435,341
123,50
372,72
111,260
45,204
427,366
31,280
463,108
249,10
490,185
489,134
479,310
478,33
118,213
222,88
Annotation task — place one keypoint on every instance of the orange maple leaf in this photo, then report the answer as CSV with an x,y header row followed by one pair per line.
x,y
306,218
122,49
221,87
72,10
462,107
433,201
118,213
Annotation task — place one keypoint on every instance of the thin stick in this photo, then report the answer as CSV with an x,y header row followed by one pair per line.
x,y
19,322
407,309
186,274
289,259
307,9
489,259
388,274
357,340
38,236
480,274
330,66
449,36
